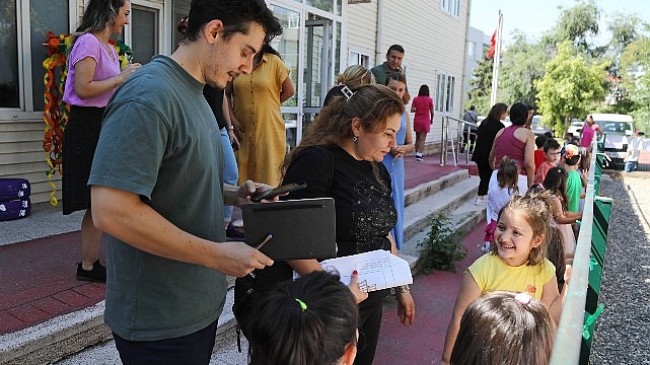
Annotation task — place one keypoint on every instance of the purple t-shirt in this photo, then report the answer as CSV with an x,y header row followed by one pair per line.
x,y
87,45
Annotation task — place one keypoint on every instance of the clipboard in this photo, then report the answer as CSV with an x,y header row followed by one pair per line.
x,y
301,229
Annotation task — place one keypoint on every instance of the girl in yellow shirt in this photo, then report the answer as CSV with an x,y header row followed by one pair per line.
x,y
516,262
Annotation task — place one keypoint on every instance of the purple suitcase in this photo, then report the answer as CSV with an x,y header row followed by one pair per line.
x,y
14,188
14,209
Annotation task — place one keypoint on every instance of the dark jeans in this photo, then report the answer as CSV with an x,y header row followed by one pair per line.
x,y
485,173
193,349
370,323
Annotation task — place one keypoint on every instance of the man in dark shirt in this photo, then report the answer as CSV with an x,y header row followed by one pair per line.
x,y
393,64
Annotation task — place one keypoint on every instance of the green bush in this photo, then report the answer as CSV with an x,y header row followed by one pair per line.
x,y
442,247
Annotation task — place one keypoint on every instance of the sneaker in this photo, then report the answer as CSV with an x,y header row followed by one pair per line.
x,y
481,200
418,156
486,247
97,274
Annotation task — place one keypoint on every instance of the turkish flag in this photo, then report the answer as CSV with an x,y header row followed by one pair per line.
x,y
493,45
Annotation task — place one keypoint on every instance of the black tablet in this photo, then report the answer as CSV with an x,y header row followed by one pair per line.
x,y
300,229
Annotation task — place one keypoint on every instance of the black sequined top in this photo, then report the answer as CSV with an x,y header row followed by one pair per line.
x,y
365,211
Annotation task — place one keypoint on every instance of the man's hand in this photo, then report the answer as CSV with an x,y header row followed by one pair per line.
x,y
238,259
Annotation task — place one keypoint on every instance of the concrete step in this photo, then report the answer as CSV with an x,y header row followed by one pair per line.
x,y
71,333
427,189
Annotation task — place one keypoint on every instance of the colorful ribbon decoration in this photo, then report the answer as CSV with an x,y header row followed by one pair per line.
x,y
55,112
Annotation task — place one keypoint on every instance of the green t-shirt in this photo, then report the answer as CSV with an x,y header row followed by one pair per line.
x,y
160,140
573,191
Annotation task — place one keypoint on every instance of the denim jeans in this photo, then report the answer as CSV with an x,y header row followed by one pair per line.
x,y
230,172
631,166
193,349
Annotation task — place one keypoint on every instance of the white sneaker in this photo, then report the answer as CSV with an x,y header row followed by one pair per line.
x,y
481,200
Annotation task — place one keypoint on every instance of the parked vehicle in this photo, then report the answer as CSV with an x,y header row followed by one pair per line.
x,y
617,129
537,127
575,128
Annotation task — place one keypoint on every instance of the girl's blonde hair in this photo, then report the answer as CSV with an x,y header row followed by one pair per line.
x,y
355,77
537,216
508,175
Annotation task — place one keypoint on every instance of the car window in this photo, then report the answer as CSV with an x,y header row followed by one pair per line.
x,y
614,127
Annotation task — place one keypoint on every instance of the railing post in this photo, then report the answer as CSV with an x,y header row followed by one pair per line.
x,y
443,146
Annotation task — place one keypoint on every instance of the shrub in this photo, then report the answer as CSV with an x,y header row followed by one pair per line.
x,y
442,247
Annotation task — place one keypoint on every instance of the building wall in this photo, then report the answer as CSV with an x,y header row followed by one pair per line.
x,y
476,40
433,39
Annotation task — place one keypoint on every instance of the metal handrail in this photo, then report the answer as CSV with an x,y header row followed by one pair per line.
x,y
459,137
566,350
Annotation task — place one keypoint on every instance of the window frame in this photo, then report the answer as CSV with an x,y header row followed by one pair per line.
x,y
451,7
25,110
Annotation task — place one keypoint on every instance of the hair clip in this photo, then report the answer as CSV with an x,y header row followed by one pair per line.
x,y
523,298
345,90
302,304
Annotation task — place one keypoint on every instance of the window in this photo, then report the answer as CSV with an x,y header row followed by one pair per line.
x,y
450,6
358,58
445,89
22,87
9,83
470,49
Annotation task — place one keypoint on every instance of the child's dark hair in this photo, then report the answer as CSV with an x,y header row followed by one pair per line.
x,y
537,216
508,175
551,144
540,141
310,321
424,90
555,182
504,328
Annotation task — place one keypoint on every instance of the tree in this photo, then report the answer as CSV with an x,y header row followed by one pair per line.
x,y
570,87
481,83
523,64
578,24
635,67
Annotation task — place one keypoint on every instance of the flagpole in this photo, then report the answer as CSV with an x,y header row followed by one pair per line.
x,y
497,61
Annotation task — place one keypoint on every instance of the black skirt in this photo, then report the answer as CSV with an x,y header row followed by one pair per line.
x,y
79,142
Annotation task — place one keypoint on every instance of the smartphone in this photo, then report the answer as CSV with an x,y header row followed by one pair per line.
x,y
272,193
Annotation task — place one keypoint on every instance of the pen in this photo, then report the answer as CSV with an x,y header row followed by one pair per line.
x,y
264,241
260,245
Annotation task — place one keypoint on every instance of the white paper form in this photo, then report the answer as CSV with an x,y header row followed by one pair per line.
x,y
377,269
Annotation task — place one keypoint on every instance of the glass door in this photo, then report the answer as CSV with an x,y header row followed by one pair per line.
x,y
144,32
317,71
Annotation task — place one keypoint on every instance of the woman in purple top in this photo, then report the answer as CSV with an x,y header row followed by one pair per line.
x,y
93,75
518,143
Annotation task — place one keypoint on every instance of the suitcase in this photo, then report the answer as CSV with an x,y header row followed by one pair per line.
x,y
13,189
14,209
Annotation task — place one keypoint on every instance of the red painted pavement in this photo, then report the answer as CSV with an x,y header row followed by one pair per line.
x,y
37,278
434,296
37,281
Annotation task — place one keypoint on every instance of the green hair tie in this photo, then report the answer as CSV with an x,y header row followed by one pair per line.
x,y
302,304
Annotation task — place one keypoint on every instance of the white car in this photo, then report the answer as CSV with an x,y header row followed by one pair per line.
x,y
575,128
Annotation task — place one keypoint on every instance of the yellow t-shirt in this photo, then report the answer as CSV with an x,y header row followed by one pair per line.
x,y
490,273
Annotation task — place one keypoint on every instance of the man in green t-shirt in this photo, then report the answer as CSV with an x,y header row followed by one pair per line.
x,y
157,190
393,65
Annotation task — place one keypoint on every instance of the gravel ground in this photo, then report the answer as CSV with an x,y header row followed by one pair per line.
x,y
622,334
